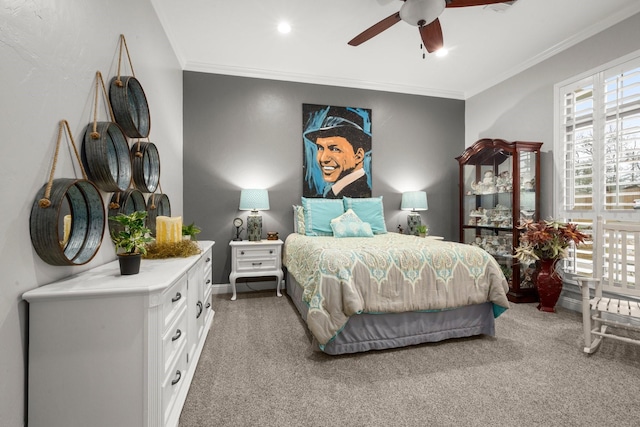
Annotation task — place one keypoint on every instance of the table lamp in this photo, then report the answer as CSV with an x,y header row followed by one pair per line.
x,y
254,200
414,201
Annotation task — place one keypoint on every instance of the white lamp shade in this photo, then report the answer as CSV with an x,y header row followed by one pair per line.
x,y
254,200
414,201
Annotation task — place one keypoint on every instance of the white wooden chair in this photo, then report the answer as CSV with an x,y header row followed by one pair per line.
x,y
616,246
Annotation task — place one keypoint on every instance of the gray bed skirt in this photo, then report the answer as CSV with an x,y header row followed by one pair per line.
x,y
364,332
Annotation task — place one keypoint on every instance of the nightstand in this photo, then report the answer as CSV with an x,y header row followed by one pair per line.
x,y
256,259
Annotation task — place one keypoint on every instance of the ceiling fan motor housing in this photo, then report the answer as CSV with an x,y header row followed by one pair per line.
x,y
421,12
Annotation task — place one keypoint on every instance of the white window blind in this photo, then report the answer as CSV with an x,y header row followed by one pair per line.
x,y
597,149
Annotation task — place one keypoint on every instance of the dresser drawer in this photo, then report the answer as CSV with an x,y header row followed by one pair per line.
x,y
173,300
174,339
173,382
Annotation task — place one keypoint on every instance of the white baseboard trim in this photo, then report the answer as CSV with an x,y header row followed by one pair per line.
x,y
225,288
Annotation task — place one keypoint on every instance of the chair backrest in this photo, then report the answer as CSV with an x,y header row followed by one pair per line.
x,y
616,246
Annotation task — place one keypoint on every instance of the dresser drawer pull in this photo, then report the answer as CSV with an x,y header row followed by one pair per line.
x,y
241,252
177,297
177,379
199,304
208,260
256,264
208,281
271,251
208,305
177,335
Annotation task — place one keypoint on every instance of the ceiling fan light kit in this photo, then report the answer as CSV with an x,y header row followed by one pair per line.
x,y
424,15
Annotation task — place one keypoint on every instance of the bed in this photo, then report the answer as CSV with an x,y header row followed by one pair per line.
x,y
388,290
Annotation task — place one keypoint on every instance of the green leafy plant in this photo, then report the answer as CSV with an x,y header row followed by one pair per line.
x,y
191,230
133,235
422,229
546,240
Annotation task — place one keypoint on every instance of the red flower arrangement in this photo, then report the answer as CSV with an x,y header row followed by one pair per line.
x,y
546,240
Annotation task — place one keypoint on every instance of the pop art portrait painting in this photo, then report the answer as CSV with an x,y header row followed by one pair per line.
x,y
336,151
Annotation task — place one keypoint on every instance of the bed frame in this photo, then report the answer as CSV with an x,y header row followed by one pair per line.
x,y
364,332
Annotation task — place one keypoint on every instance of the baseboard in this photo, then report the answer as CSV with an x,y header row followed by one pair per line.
x,y
225,288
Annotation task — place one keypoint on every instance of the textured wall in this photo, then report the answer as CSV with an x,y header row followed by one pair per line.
x,y
50,53
247,133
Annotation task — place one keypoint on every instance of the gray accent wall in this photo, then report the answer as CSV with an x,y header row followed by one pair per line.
x,y
247,133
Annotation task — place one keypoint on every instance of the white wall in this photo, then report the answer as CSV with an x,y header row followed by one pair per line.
x,y
50,51
521,108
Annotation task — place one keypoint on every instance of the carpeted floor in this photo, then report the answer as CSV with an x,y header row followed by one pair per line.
x,y
258,369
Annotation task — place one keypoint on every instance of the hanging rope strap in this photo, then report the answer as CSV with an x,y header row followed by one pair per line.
x,y
153,197
138,151
95,134
123,43
45,202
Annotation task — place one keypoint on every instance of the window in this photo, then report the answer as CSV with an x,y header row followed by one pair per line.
x,y
597,149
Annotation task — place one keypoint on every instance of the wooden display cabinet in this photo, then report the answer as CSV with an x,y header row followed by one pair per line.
x,y
499,187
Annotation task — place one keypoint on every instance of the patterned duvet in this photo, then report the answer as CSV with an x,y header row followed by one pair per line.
x,y
388,273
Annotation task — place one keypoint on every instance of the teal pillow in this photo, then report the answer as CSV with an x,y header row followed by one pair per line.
x,y
368,209
318,214
349,225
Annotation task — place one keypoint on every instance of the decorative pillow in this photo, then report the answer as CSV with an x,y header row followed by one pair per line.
x,y
349,225
298,219
368,209
318,214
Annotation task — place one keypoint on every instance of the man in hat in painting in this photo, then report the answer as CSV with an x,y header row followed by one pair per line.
x,y
342,144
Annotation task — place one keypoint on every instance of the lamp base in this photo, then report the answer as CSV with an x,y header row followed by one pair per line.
x,y
254,228
413,221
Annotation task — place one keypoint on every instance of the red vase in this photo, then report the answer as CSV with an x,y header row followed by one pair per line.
x,y
548,284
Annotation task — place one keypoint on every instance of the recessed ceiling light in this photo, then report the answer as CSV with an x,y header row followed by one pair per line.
x,y
284,27
442,52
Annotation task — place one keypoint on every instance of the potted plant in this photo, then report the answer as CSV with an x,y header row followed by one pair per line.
x,y
422,230
189,231
546,242
130,239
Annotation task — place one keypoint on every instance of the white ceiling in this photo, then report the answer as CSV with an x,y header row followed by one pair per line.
x,y
239,37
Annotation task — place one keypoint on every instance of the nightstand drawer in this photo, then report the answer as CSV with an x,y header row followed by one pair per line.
x,y
257,252
256,264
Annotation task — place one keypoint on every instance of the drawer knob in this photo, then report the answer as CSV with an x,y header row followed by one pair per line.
x,y
256,264
177,297
208,260
241,252
208,281
208,305
177,335
271,251
199,305
176,380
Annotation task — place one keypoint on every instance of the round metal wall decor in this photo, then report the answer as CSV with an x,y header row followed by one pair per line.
x,y
157,205
69,231
145,161
105,156
130,107
126,202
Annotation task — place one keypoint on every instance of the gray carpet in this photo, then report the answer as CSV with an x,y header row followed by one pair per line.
x,y
258,369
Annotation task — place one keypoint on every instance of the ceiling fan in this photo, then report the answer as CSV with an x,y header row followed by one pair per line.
x,y
422,14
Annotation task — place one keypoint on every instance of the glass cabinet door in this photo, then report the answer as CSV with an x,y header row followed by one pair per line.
x,y
498,189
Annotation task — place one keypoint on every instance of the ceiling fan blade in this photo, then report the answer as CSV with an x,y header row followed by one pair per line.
x,y
432,36
464,3
375,29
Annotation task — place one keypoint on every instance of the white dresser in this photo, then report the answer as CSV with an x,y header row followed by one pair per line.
x,y
111,350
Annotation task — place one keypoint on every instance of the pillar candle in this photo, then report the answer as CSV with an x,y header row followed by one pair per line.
x,y
168,229
66,230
